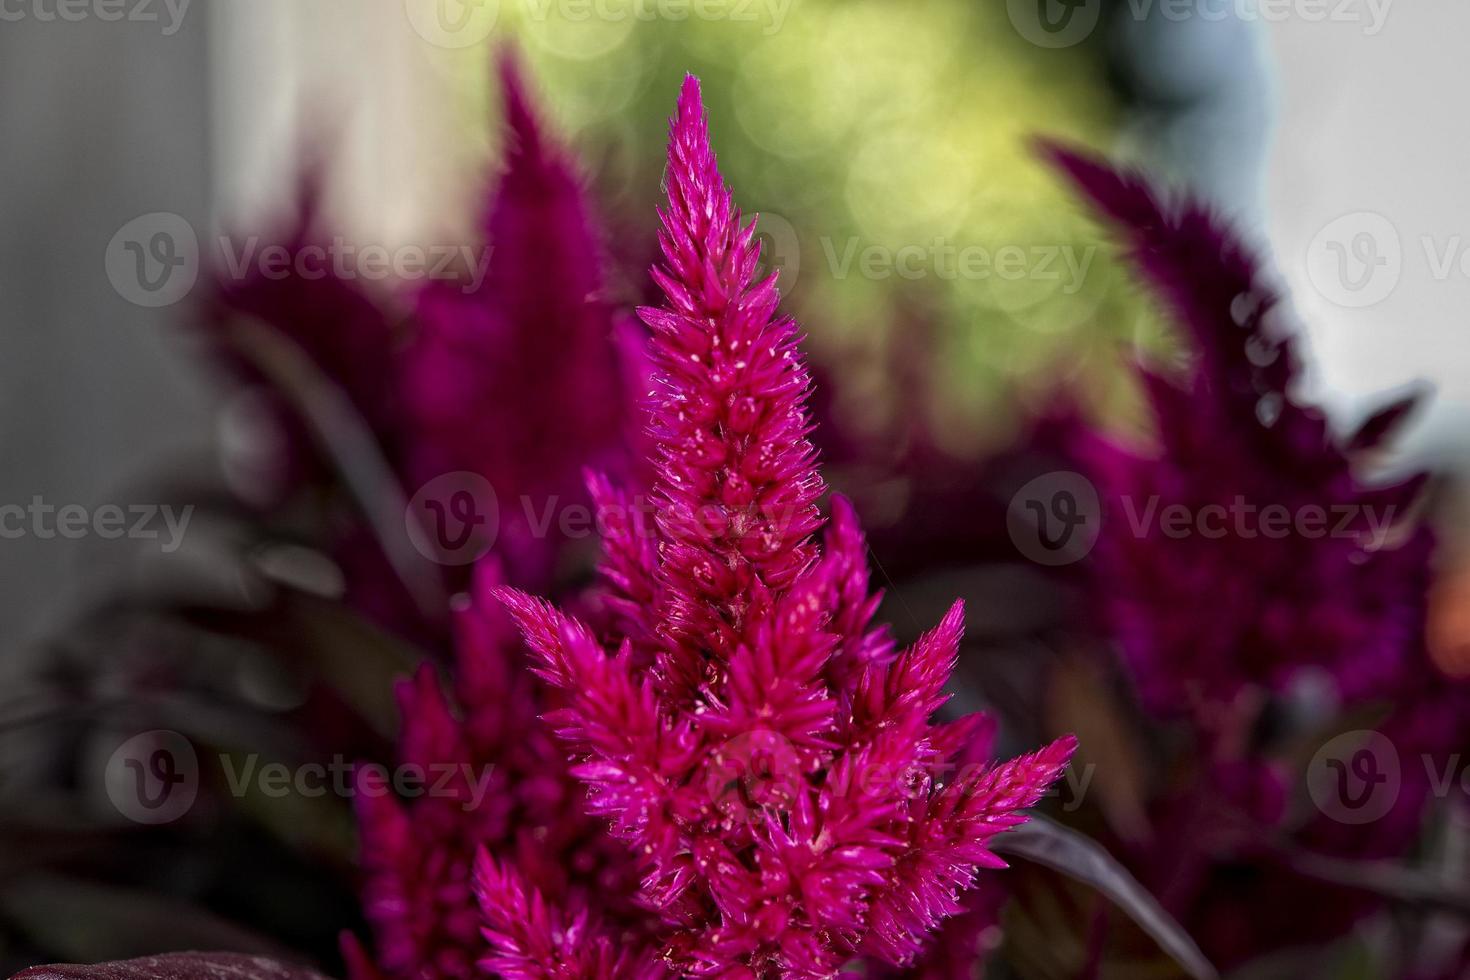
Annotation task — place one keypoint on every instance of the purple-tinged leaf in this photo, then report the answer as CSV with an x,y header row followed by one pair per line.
x,y
176,966
1082,859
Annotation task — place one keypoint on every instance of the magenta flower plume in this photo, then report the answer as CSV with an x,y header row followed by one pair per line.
x,y
737,484
526,375
494,783
1200,616
516,369
531,938
327,318
1221,622
769,757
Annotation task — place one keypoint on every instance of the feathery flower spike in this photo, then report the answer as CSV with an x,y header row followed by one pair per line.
x,y
774,764
500,787
521,376
1202,616
1217,624
534,340
736,484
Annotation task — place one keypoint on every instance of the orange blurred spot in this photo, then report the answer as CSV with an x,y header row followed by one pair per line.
x,y
1449,624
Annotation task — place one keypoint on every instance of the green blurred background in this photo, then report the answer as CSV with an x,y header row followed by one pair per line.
x,y
888,149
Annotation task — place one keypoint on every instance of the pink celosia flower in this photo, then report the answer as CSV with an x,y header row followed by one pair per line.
x,y
337,325
495,780
521,376
1221,626
517,370
1203,615
526,377
774,765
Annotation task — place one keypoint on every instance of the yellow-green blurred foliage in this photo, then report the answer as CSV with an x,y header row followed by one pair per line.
x,y
885,142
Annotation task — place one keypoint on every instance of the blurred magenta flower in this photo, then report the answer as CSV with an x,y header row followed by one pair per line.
x,y
520,377
1252,638
496,781
518,371
1231,604
341,329
529,375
